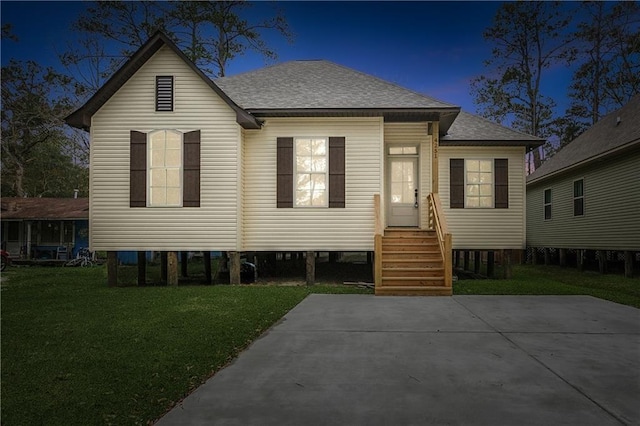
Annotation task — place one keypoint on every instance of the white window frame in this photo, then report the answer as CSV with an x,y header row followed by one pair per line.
x,y
295,173
492,185
545,204
150,168
574,198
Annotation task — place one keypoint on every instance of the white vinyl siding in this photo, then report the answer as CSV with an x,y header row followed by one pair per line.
x,y
611,206
486,228
265,227
213,225
414,134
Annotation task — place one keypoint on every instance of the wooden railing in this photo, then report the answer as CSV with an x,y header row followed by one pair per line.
x,y
438,223
377,244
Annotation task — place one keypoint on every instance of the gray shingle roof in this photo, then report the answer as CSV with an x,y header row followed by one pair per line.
x,y
319,84
471,128
604,136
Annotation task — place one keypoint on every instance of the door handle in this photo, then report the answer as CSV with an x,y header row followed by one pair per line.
x,y
415,193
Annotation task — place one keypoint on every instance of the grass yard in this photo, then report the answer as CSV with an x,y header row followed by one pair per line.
x,y
554,280
75,352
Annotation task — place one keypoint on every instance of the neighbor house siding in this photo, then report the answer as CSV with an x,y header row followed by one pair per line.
x,y
267,227
486,228
415,133
611,207
213,225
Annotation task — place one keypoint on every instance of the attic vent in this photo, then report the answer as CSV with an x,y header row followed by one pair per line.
x,y
164,93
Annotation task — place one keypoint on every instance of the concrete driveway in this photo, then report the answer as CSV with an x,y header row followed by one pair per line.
x,y
461,360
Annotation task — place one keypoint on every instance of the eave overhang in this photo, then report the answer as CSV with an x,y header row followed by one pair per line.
x,y
445,116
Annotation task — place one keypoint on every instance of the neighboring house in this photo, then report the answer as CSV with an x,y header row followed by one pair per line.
x,y
301,156
45,228
587,196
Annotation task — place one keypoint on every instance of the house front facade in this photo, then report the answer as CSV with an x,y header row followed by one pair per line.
x,y
302,156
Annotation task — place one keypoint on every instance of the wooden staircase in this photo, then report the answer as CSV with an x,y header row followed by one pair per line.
x,y
411,264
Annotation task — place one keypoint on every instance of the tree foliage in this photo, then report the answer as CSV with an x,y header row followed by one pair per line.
x,y
608,74
211,33
33,107
527,39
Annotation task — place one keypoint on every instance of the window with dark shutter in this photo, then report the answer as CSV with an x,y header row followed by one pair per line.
x,y
191,169
164,93
285,173
501,169
336,172
138,169
456,183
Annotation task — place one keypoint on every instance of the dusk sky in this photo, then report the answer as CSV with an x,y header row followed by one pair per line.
x,y
434,48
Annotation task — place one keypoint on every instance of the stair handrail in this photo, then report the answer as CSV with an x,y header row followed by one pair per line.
x,y
438,223
377,241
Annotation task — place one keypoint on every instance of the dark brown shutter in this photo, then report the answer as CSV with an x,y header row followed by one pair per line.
x,y
456,183
501,170
191,169
285,173
336,172
164,93
137,169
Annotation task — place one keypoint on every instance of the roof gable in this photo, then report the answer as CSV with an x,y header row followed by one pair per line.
x,y
617,130
81,118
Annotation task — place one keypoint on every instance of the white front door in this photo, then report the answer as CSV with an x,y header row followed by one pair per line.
x,y
402,191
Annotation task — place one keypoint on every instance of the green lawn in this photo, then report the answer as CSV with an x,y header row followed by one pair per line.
x,y
75,352
528,279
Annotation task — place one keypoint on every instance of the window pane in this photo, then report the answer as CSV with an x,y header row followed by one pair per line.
x,y
157,158
473,177
547,196
473,202
578,188
303,164
318,182
485,190
303,182
157,196
319,147
395,150
158,177
319,198
486,202
473,190
473,165
486,178
578,207
319,164
396,192
173,140
173,196
157,140
173,158
547,212
173,178
303,147
303,198
485,166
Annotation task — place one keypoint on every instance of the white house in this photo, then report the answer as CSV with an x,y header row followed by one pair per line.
x,y
300,156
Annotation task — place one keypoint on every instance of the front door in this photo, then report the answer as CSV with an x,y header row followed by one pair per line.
x,y
402,190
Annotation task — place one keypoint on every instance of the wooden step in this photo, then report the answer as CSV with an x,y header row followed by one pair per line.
x,y
413,291
412,281
412,272
413,254
410,240
410,246
409,232
411,263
